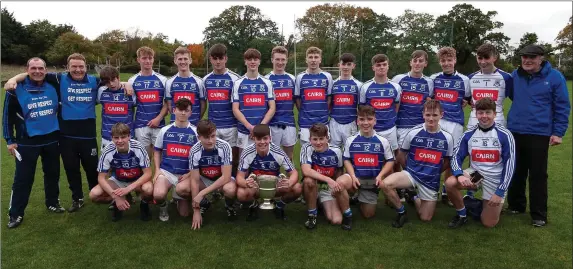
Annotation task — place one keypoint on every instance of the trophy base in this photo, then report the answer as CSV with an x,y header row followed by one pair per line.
x,y
266,205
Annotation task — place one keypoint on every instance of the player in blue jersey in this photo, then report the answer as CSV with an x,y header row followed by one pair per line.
x,y
210,170
123,167
345,95
312,92
283,129
219,89
452,89
185,84
265,158
321,165
368,159
491,150
171,158
424,154
116,105
253,99
149,89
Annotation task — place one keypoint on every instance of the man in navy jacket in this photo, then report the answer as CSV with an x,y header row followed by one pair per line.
x,y
538,118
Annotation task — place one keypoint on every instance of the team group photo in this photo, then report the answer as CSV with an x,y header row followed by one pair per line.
x,y
278,142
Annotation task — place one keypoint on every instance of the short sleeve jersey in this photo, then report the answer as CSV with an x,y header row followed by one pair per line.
x,y
270,164
367,154
209,162
126,167
191,88
175,144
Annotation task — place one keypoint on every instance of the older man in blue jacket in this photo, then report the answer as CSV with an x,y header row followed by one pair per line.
x,y
538,118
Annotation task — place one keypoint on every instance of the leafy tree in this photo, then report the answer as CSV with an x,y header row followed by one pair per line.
x,y
197,54
69,43
43,34
413,28
565,43
14,40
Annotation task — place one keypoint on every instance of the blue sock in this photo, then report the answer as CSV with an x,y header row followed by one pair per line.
x,y
313,212
347,212
401,210
280,204
461,212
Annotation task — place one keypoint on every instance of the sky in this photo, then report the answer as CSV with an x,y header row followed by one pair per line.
x,y
187,20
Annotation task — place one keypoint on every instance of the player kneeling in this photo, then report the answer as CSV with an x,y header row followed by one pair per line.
x,y
492,160
321,163
265,158
424,154
368,158
128,163
210,165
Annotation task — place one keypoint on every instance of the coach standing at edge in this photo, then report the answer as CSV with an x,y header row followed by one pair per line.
x,y
538,118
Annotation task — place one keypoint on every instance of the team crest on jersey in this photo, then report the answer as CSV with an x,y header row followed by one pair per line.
x,y
156,84
323,82
497,83
352,88
133,162
376,147
495,142
190,138
422,87
457,84
332,160
440,144
272,165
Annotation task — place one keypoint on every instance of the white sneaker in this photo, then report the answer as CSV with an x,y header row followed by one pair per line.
x,y
163,213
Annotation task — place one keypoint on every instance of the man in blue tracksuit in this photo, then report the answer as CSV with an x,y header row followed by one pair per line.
x,y
538,118
31,109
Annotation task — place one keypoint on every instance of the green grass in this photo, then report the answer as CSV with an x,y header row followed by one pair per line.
x,y
88,239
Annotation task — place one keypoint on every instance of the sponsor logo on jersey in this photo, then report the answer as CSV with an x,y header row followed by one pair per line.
x,y
478,94
485,155
259,172
283,95
447,95
325,171
427,156
315,94
212,172
412,98
254,99
178,150
344,100
380,103
370,160
128,174
218,95
148,96
188,95
115,109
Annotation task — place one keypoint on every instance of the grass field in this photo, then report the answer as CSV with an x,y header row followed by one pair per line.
x,y
88,238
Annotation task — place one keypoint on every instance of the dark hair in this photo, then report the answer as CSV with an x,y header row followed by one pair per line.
x,y
318,130
183,103
206,127
120,129
365,111
418,54
347,58
252,54
261,130
218,51
108,73
486,50
379,58
433,104
485,103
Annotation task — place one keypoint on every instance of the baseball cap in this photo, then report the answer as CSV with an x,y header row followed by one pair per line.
x,y
532,50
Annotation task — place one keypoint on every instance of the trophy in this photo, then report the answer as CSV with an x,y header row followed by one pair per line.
x,y
268,185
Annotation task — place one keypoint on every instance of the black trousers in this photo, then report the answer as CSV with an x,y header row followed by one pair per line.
x,y
530,161
77,151
26,171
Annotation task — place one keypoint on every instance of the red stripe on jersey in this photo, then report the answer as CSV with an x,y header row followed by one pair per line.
x,y
283,95
151,96
447,95
366,160
178,150
478,94
254,99
315,94
188,95
128,174
485,155
412,98
211,172
325,171
427,156
115,109
264,172
381,103
344,99
217,95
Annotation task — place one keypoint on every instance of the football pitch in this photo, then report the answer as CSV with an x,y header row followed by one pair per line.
x,y
88,238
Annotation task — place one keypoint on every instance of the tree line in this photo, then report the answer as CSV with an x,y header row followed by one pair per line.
x,y
335,28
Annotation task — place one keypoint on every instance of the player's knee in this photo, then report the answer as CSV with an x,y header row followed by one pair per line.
x,y
335,219
243,195
367,214
159,194
147,189
183,190
489,223
309,183
425,217
385,186
94,195
297,189
451,182
230,189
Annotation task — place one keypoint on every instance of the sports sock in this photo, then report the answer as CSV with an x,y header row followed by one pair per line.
x,y
280,204
347,212
254,204
313,212
461,212
401,210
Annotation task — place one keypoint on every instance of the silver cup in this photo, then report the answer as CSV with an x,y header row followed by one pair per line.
x,y
268,185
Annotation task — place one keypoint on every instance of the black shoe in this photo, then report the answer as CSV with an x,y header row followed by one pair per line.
x,y
279,213
310,222
231,214
354,200
253,213
401,218
204,205
144,211
57,208
538,223
408,195
513,211
446,200
76,205
346,223
15,221
116,214
458,221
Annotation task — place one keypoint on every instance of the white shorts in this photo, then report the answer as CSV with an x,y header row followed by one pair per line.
x,y
400,134
424,193
454,128
104,143
243,140
173,179
283,137
209,182
325,196
472,121
121,184
488,189
229,135
340,132
391,136
146,135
